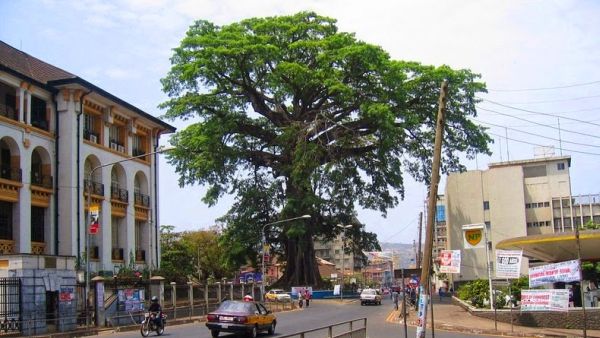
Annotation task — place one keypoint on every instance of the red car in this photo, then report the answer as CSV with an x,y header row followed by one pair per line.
x,y
241,317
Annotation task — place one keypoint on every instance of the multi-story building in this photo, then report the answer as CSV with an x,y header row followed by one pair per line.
x,y
56,129
332,251
515,198
440,235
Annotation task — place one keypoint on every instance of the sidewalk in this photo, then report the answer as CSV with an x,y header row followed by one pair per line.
x,y
450,317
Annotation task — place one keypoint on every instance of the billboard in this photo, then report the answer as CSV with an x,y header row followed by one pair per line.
x,y
508,263
449,261
473,235
545,300
551,273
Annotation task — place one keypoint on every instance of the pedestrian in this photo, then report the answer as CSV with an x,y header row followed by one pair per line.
x,y
307,297
440,294
395,299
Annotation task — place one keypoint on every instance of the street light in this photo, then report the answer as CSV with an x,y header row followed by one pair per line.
x,y
264,241
342,284
88,220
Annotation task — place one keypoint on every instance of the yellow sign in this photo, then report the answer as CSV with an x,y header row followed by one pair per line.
x,y
474,236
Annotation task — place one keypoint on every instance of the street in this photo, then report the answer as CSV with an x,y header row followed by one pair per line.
x,y
320,313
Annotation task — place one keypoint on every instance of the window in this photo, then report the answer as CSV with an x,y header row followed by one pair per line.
x,y
527,205
560,166
547,204
440,214
6,220
90,131
37,224
486,205
138,144
38,113
139,227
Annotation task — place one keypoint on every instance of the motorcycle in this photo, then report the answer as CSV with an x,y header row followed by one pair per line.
x,y
149,324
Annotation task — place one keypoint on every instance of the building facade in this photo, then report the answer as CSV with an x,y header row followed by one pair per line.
x,y
331,251
515,198
61,141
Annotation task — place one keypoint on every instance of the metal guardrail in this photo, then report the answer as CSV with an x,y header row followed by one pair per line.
x,y
347,329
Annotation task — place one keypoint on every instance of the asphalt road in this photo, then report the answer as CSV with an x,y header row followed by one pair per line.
x,y
319,314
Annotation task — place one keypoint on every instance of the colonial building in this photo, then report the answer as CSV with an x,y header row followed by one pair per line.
x,y
64,141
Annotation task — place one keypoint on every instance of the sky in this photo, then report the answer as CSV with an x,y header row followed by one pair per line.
x,y
539,59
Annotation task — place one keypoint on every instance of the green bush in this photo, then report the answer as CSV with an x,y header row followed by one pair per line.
x,y
476,292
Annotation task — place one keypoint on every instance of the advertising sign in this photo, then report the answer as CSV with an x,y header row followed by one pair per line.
x,y
67,294
94,214
545,300
551,273
473,235
450,261
508,263
422,319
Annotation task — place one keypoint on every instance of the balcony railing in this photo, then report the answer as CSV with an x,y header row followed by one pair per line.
x,y
119,194
40,180
141,199
41,124
140,255
97,188
117,254
8,111
91,136
9,173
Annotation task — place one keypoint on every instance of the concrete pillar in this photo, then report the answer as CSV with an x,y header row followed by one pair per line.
x,y
157,288
21,105
219,292
174,298
231,290
27,107
206,286
22,233
243,292
99,306
191,297
104,237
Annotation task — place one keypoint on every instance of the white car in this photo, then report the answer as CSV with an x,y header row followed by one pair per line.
x,y
278,295
370,296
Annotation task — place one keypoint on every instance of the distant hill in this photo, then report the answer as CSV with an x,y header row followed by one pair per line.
x,y
406,252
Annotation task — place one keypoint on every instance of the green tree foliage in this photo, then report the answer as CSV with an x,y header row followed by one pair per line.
x,y
192,255
294,117
476,292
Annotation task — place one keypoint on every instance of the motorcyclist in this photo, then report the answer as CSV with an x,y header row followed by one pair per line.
x,y
156,308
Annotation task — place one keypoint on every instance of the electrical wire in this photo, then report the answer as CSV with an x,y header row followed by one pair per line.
x,y
541,124
558,100
581,84
541,145
538,135
537,112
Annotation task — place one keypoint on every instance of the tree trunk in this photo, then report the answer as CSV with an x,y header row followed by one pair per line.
x,y
301,265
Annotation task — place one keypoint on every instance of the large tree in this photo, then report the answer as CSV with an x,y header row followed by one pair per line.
x,y
294,117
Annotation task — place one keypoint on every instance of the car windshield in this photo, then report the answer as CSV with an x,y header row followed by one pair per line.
x,y
369,292
231,306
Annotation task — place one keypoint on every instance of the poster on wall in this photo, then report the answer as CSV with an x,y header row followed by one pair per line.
x,y
545,300
449,261
508,263
473,235
67,294
551,273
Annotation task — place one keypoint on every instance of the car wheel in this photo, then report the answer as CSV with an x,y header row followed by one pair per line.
x,y
253,333
214,333
272,328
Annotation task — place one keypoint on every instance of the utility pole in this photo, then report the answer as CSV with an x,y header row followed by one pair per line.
x,y
425,290
420,253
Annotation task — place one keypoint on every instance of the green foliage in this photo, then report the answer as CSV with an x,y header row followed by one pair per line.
x,y
476,292
294,117
516,285
192,255
590,225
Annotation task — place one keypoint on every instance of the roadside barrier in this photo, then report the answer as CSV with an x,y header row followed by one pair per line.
x,y
355,328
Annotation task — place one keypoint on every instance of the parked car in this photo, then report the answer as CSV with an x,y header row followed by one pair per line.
x,y
278,295
241,317
370,296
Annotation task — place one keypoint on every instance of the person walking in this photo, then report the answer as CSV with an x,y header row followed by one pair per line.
x,y
395,299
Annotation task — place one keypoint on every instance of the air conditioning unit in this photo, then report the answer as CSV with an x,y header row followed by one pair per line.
x,y
94,138
121,149
113,146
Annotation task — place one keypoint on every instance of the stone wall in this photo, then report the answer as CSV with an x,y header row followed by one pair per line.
x,y
564,320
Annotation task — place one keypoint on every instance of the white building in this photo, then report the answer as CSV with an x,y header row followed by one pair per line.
x,y
55,127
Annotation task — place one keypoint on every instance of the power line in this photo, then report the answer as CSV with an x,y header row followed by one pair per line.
x,y
565,112
542,124
537,112
581,84
538,135
541,145
558,100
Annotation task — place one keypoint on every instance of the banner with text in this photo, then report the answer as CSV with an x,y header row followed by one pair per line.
x,y
508,263
450,261
545,300
551,273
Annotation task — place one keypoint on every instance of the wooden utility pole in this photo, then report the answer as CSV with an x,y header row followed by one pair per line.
x,y
420,253
425,288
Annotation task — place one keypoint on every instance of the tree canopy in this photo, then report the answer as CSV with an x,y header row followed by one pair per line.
x,y
294,117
